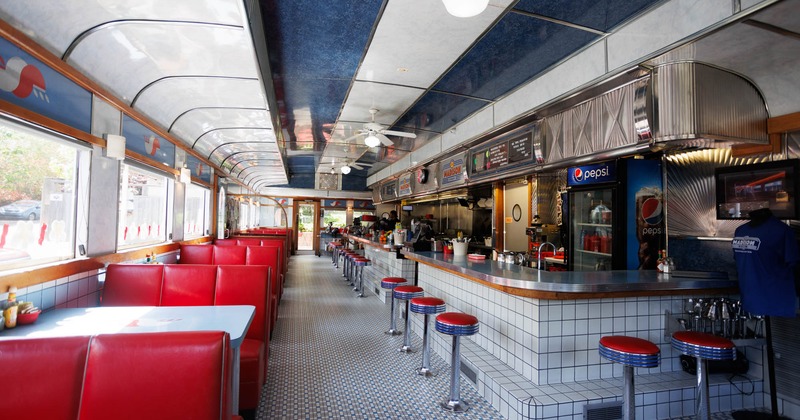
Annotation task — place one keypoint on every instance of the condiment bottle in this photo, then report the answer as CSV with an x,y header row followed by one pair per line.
x,y
10,308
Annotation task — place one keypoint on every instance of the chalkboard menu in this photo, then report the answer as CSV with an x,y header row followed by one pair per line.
x,y
498,155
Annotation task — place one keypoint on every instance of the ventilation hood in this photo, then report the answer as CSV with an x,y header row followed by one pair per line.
x,y
677,105
695,105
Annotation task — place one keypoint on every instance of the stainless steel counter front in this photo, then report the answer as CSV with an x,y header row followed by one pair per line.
x,y
529,282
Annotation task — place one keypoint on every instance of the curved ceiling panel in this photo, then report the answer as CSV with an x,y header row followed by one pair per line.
x,y
194,123
225,152
55,25
168,99
209,142
153,51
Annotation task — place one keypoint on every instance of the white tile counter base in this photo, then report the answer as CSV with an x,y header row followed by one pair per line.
x,y
385,264
545,363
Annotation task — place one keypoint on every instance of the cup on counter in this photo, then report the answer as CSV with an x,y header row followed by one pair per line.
x,y
460,249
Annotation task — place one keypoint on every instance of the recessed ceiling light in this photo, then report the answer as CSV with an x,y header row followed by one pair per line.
x,y
402,70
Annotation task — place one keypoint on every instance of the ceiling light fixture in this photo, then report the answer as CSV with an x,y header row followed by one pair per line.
x,y
345,169
372,140
333,170
465,8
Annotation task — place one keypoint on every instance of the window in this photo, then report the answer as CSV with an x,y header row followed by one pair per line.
x,y
38,196
143,203
337,217
197,212
244,214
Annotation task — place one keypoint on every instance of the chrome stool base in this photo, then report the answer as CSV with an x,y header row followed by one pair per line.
x,y
393,332
423,371
406,349
455,406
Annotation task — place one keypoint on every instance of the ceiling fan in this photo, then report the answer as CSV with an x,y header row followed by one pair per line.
x,y
375,134
346,167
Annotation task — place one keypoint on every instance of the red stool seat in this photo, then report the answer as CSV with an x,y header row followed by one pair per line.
x,y
392,282
457,319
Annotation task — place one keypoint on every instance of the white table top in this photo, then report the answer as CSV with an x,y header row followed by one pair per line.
x,y
137,319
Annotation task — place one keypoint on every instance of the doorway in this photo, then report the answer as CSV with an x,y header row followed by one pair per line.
x,y
306,226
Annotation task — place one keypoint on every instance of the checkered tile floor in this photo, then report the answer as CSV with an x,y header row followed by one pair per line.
x,y
329,357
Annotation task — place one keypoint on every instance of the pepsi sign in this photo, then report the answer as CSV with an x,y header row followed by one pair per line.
x,y
591,174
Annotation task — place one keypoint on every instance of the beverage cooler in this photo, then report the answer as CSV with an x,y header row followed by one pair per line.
x,y
615,215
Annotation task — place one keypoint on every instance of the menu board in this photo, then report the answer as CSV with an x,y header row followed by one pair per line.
x,y
452,170
404,185
503,153
389,190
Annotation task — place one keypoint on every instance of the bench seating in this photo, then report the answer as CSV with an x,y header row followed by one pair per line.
x,y
165,375
240,255
204,285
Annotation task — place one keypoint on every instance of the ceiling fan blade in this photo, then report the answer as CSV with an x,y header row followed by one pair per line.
x,y
356,166
384,140
399,134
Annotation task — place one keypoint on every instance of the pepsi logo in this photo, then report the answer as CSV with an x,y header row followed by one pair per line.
x,y
578,174
651,211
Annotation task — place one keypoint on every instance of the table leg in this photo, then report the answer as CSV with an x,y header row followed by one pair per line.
x,y
235,384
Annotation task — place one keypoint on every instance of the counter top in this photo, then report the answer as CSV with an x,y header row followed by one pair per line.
x,y
529,282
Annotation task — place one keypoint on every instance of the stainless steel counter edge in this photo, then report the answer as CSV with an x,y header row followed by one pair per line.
x,y
524,278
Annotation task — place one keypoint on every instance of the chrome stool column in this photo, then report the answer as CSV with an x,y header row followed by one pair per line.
x,y
703,347
407,293
630,352
360,263
457,325
391,283
426,306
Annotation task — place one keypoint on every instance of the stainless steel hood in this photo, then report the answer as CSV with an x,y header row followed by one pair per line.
x,y
695,105
678,105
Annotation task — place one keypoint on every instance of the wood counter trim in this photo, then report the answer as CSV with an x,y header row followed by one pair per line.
x,y
547,295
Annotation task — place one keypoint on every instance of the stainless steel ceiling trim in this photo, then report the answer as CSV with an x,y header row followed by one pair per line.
x,y
239,142
105,25
185,76
229,128
201,108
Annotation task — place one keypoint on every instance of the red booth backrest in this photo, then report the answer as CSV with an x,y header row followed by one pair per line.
x,y
230,255
229,241
188,285
43,377
166,375
117,376
196,254
139,285
248,241
245,285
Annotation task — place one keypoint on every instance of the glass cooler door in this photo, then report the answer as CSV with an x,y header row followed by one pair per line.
x,y
591,229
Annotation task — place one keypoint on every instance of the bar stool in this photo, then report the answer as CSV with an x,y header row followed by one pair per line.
x,y
391,283
360,263
426,306
347,262
630,352
334,252
456,324
407,293
703,347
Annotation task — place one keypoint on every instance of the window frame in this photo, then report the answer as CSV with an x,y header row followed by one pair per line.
x,y
169,187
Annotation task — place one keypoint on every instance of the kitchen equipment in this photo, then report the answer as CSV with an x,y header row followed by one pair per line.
x,y
437,246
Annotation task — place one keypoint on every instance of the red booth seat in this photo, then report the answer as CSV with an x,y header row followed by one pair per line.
x,y
203,285
269,255
164,375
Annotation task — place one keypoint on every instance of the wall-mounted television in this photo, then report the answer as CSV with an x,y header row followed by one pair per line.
x,y
744,188
408,208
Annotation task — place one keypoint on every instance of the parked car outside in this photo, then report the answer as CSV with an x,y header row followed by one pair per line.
x,y
22,209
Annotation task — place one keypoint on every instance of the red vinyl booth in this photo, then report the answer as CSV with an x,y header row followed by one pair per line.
x,y
193,285
165,375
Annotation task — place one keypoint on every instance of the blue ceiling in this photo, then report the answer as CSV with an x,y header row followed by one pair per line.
x,y
315,48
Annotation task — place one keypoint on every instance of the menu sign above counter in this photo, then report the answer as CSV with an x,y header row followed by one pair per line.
x,y
501,154
404,186
389,190
453,171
